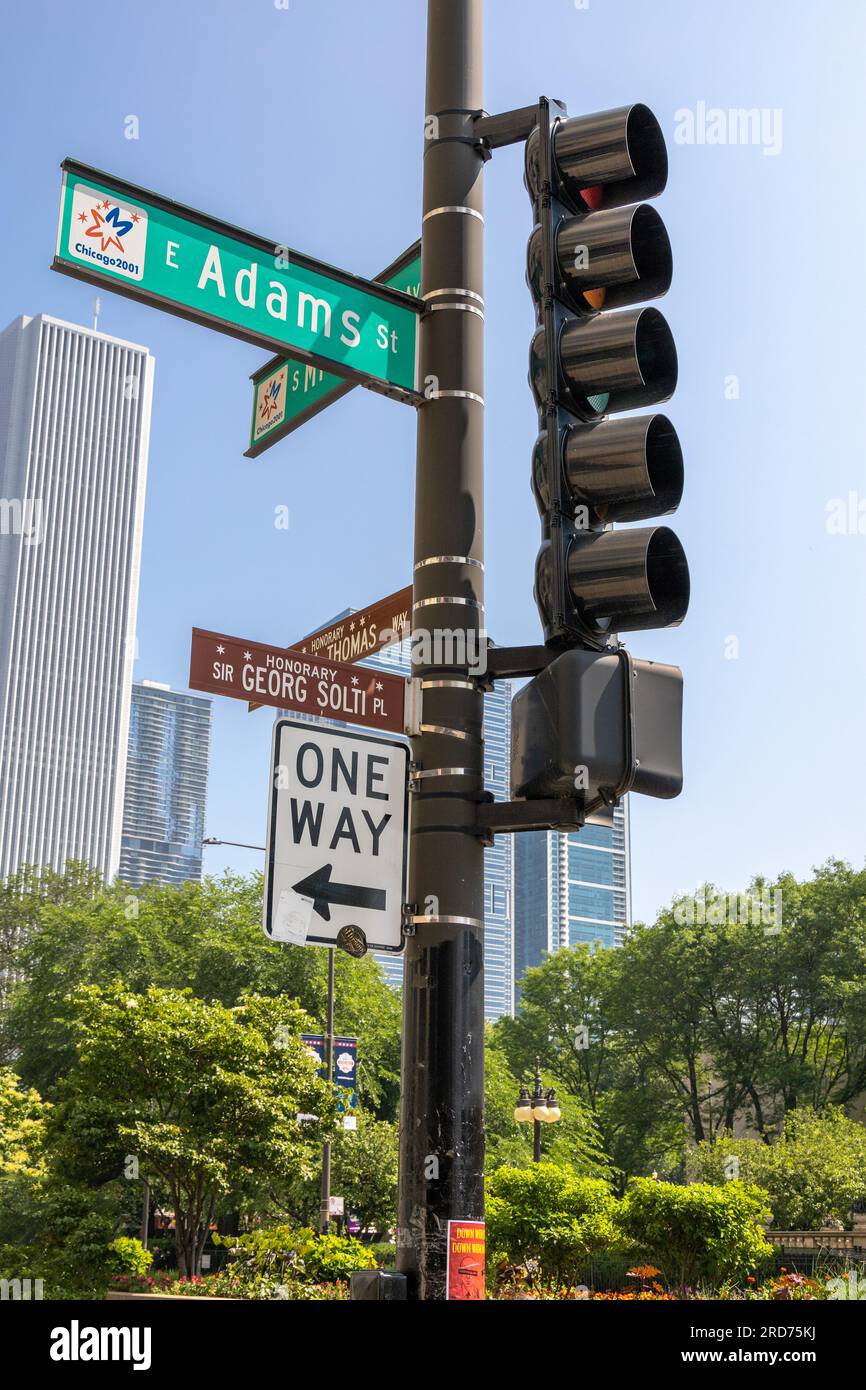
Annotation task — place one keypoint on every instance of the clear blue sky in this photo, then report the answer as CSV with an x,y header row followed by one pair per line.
x,y
305,124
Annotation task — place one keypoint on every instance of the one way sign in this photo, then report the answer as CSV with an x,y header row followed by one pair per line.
x,y
337,837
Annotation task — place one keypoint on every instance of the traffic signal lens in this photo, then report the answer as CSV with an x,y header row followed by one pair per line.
x,y
655,353
624,252
611,362
624,470
623,581
605,260
604,160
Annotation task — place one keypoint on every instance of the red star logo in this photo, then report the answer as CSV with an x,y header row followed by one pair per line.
x,y
82,217
106,204
135,217
97,230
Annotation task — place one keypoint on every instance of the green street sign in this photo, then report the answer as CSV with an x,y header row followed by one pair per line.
x,y
135,242
288,392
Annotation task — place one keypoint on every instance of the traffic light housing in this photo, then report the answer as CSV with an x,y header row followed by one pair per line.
x,y
594,255
595,725
597,253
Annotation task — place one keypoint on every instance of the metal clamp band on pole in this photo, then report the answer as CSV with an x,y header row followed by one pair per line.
x,y
448,685
463,294
423,772
467,212
446,601
461,308
444,918
456,395
449,560
450,733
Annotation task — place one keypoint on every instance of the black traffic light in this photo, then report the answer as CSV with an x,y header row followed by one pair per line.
x,y
596,723
594,256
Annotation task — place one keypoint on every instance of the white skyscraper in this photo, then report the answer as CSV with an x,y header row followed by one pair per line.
x,y
74,426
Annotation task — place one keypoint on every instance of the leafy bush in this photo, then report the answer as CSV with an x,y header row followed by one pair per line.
x,y
265,1260
548,1219
814,1172
128,1256
236,1281
336,1257
697,1232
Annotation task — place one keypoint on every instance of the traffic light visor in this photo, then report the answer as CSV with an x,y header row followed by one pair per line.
x,y
604,160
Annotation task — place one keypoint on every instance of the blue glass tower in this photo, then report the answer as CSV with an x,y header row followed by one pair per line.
x,y
571,887
166,786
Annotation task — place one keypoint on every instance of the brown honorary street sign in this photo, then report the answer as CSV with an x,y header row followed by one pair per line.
x,y
360,634
289,680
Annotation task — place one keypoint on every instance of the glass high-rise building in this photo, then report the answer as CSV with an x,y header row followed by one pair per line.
x,y
74,426
498,860
571,887
166,785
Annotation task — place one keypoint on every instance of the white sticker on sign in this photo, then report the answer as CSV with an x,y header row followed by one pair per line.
x,y
292,917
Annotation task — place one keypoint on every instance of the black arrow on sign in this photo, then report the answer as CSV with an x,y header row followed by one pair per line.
x,y
318,886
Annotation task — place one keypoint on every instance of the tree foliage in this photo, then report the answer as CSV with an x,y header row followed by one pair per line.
x,y
707,1019
814,1172
70,930
204,1099
574,1140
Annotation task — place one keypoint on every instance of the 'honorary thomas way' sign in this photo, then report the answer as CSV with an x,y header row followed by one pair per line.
x,y
289,680
365,631
137,243
362,633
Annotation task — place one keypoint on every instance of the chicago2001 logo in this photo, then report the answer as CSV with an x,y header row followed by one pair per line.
x,y
109,234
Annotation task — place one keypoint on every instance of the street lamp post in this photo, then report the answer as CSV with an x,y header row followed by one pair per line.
x,y
541,1107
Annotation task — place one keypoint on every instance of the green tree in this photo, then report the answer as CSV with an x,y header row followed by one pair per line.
x,y
204,937
23,1118
756,1017
204,1098
25,895
570,1017
50,1229
23,1114
816,987
364,1172
814,1171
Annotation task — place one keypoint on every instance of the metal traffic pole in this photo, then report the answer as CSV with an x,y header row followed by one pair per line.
x,y
441,1133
